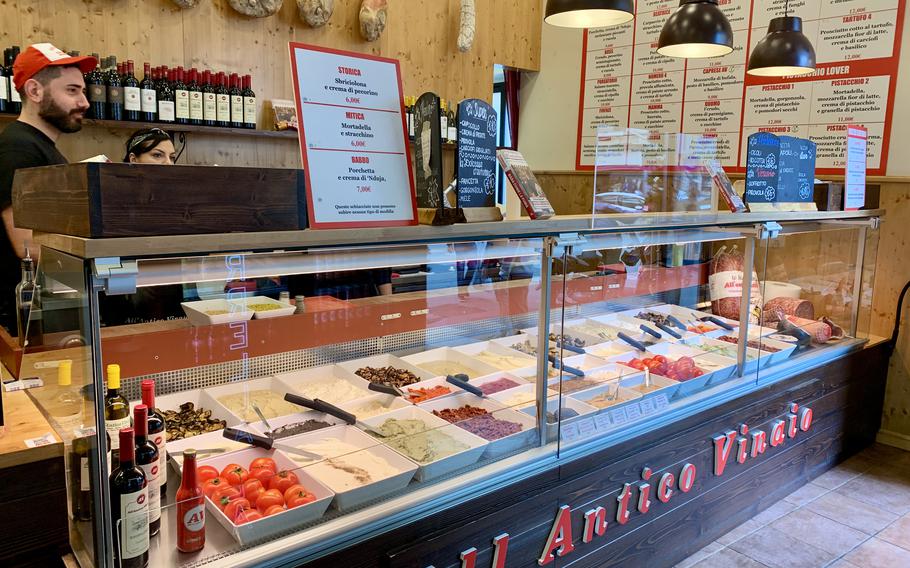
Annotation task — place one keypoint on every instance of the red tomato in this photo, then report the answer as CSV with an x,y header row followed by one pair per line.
x,y
283,480
224,497
273,510
263,475
269,498
263,463
211,486
235,474
252,488
235,506
660,358
204,473
247,516
297,495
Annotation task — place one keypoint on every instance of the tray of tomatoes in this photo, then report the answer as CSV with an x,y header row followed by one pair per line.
x,y
683,369
257,493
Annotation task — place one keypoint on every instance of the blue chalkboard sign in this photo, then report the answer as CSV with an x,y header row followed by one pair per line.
x,y
762,168
806,172
476,157
788,170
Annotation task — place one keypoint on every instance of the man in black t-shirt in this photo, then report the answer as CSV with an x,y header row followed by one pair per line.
x,y
53,102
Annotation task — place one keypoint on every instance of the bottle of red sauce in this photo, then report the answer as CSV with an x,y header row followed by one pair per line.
x,y
190,508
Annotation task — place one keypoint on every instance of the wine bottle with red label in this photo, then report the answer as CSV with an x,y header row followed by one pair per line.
x,y
132,94
157,431
147,460
129,507
148,95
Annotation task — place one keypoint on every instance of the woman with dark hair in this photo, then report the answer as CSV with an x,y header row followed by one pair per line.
x,y
150,146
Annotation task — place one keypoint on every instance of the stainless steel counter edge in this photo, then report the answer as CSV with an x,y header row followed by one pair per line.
x,y
131,247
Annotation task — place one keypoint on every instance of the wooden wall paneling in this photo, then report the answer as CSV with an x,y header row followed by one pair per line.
x,y
10,29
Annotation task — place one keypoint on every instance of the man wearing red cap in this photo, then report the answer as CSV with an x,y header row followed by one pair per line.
x,y
53,101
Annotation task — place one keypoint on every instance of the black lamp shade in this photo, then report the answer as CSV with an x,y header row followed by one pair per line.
x,y
784,51
697,29
589,13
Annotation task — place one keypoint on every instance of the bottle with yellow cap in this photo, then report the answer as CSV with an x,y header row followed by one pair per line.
x,y
68,399
116,409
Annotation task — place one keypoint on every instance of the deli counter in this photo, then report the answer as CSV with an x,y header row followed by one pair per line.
x,y
613,386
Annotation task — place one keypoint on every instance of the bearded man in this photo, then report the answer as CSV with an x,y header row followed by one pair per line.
x,y
53,102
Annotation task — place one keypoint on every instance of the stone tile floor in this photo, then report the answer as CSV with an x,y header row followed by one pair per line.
x,y
856,515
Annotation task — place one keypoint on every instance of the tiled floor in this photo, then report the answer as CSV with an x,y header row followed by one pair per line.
x,y
856,515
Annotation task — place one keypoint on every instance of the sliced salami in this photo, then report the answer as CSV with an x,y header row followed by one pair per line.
x,y
778,307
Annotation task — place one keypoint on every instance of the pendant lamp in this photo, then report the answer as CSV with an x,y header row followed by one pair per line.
x,y
696,29
784,51
589,13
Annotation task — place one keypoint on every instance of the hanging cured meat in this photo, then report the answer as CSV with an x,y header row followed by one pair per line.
x,y
316,13
373,16
257,8
186,3
468,25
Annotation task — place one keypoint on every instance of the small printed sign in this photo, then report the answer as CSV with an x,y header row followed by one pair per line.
x,y
619,416
45,440
586,427
569,432
855,178
762,168
603,423
647,407
23,384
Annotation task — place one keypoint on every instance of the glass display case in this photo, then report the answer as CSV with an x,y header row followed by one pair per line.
x,y
388,375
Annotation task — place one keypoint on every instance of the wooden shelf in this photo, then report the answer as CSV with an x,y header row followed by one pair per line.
x,y
172,127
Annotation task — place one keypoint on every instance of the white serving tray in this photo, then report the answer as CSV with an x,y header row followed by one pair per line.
x,y
571,328
625,395
450,355
195,312
552,404
501,446
303,416
686,388
429,383
425,471
301,382
282,309
354,497
479,382
755,359
609,349
474,349
684,314
207,441
265,383
390,402
199,398
664,385
385,360
528,390
584,363
270,526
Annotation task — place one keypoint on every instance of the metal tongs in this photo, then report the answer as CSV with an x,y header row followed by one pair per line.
x,y
266,443
323,406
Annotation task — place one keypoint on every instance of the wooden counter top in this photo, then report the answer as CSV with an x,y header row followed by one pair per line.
x,y
23,421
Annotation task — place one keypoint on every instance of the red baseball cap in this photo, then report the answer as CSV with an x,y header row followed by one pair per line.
x,y
40,55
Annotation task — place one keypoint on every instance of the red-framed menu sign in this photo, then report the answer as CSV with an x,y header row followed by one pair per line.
x,y
353,139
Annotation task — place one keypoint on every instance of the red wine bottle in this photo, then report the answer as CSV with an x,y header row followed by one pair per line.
x,y
195,97
182,96
236,102
249,103
6,82
222,101
209,112
147,459
157,431
129,508
165,96
114,92
132,96
15,100
97,91
148,94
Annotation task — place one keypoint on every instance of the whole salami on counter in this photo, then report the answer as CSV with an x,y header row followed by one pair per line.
x,y
725,283
779,307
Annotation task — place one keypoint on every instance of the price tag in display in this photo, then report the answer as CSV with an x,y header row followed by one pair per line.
x,y
586,428
569,432
647,407
23,384
45,440
619,416
602,421
660,401
633,412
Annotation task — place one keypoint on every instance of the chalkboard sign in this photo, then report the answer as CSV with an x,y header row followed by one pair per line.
x,y
788,170
806,172
428,152
762,163
476,158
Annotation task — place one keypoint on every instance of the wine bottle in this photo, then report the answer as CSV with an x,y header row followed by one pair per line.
x,y
157,430
116,408
129,507
249,103
182,96
453,125
28,306
132,96
209,112
147,460
165,96
195,92
149,102
222,101
15,100
236,102
114,92
5,82
97,91
190,508
82,466
443,122
412,119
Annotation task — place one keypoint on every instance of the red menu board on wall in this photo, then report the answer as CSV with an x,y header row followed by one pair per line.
x,y
625,83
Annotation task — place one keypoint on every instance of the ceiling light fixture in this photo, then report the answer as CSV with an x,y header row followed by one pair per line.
x,y
697,29
589,13
784,51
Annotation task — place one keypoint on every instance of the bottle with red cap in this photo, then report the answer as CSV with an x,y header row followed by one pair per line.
x,y
195,97
249,103
132,94
190,508
129,507
157,430
182,96
222,100
209,115
236,102
147,459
